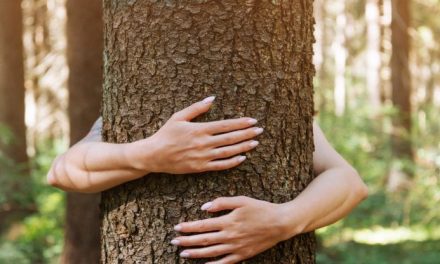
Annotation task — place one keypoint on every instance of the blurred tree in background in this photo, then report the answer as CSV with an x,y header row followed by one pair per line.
x,y
12,123
377,92
84,30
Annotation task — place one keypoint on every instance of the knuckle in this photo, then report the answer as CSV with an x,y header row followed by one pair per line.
x,y
248,252
229,139
197,143
202,225
216,252
196,167
221,152
205,242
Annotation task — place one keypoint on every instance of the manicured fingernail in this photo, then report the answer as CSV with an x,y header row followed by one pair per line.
x,y
184,254
208,100
175,242
177,227
206,206
252,121
254,143
241,158
259,130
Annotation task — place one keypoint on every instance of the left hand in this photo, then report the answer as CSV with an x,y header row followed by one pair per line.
x,y
250,228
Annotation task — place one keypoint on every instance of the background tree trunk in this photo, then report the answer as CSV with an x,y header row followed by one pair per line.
x,y
84,51
340,58
12,78
401,94
12,113
161,56
372,15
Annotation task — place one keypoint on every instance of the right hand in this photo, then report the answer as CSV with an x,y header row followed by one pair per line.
x,y
181,147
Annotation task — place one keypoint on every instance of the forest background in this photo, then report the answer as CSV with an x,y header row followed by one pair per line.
x,y
377,94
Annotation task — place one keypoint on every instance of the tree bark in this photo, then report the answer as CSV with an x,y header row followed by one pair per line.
x,y
161,56
84,54
401,81
12,90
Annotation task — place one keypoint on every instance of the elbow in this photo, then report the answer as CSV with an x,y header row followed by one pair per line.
x,y
52,177
361,189
58,176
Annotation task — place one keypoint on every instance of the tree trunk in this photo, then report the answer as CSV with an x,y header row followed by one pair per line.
x,y
12,79
340,56
372,15
401,86
161,56
84,52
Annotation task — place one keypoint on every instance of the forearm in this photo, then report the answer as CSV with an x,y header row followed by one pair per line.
x,y
328,198
94,166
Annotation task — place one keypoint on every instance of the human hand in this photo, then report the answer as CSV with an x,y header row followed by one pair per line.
x,y
250,228
180,146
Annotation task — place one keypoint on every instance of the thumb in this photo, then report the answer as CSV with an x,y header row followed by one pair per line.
x,y
225,203
194,110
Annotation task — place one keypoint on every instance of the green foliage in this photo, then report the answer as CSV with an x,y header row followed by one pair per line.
x,y
38,237
15,192
364,140
408,252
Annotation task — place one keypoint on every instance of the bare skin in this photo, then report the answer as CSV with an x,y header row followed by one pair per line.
x,y
181,147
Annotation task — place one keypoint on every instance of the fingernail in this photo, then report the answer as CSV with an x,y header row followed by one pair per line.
x,y
206,206
252,121
208,100
254,143
175,242
184,254
177,227
241,158
259,130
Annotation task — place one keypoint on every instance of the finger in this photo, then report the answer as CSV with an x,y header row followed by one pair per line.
x,y
229,259
222,126
225,152
206,239
235,136
207,252
225,164
193,110
199,226
225,203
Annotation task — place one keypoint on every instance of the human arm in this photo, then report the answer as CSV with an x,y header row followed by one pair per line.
x,y
178,147
254,225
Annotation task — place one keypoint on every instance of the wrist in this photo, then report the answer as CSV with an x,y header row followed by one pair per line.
x,y
140,156
290,220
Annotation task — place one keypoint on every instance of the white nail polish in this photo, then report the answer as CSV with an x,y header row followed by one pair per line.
x,y
184,254
208,100
206,206
177,227
175,242
241,158
254,144
252,121
259,130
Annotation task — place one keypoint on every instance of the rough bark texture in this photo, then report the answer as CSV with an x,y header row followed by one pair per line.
x,y
161,56
401,82
12,78
84,51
